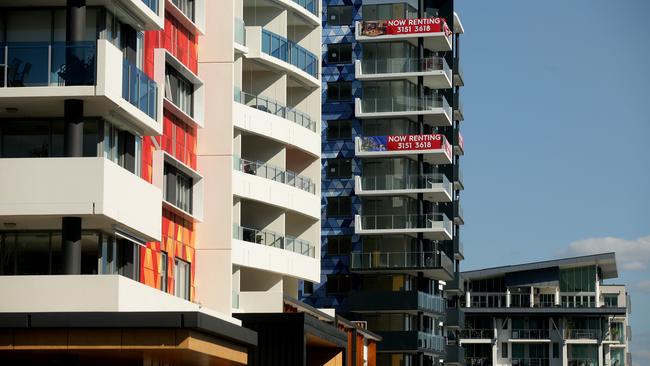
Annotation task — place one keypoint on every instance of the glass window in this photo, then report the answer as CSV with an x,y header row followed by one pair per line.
x,y
339,129
307,288
177,188
179,90
611,300
128,259
338,284
339,15
186,6
339,168
182,279
339,91
339,53
163,271
339,206
339,245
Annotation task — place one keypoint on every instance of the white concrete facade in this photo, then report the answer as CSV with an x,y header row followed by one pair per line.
x,y
259,155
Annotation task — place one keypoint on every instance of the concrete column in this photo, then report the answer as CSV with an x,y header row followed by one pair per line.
x,y
71,243
495,353
507,298
557,296
468,298
565,353
600,354
73,114
597,292
532,296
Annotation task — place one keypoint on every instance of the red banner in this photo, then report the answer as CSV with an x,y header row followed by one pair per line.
x,y
405,26
415,142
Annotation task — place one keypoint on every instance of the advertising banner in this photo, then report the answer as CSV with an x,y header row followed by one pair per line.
x,y
434,141
404,26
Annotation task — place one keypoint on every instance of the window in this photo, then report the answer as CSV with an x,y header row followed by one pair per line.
x,y
339,206
163,271
186,6
556,350
181,279
339,168
307,288
339,245
177,188
179,90
339,129
338,284
611,300
504,350
339,53
339,15
339,91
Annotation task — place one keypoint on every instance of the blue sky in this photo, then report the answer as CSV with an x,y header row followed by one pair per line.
x,y
557,123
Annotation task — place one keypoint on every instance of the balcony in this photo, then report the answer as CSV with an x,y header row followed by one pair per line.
x,y
459,181
434,187
273,252
459,143
459,248
456,284
434,109
409,301
582,334
435,264
240,36
459,216
274,240
410,341
478,361
458,108
434,71
487,334
276,187
459,79
283,55
436,34
275,108
433,226
107,197
271,172
529,335
36,78
434,147
573,361
455,318
454,354
530,362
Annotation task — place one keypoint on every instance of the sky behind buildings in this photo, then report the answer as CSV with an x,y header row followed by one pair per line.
x,y
557,123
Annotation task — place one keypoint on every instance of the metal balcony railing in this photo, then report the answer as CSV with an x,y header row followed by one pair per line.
x,y
405,104
310,5
138,89
274,107
240,31
401,222
581,334
478,361
477,333
274,173
30,64
530,334
431,342
288,51
401,182
400,260
432,303
404,65
530,362
273,239
582,362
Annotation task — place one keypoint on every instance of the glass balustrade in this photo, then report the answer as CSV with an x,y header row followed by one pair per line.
x,y
389,260
138,89
240,31
405,104
402,182
404,65
288,51
152,4
310,5
400,222
431,342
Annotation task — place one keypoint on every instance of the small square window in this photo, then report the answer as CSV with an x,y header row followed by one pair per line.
x,y
339,168
339,15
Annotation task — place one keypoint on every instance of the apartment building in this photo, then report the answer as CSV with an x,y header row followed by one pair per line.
x,y
391,214
100,103
557,312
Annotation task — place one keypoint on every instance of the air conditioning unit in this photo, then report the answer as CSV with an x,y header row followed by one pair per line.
x,y
360,324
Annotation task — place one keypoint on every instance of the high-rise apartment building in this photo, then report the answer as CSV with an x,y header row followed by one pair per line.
x,y
391,138
552,313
